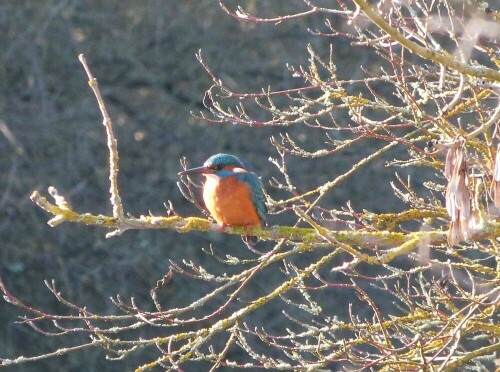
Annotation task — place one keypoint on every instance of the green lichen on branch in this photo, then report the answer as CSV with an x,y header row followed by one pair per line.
x,y
390,221
391,243
63,213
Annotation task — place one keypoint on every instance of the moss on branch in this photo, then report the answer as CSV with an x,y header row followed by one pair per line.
x,y
390,221
61,212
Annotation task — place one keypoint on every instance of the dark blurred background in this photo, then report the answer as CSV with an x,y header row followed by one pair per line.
x,y
143,54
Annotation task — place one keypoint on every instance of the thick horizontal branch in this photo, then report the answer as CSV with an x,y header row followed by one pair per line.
x,y
390,244
63,213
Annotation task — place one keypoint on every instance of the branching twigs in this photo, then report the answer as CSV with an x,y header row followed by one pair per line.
x,y
398,316
185,352
437,56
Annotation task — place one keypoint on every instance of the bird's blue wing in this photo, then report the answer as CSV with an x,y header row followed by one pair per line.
x,y
257,190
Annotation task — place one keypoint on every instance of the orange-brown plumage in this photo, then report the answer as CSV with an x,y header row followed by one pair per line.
x,y
229,200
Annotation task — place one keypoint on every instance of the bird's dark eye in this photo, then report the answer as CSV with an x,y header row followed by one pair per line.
x,y
216,167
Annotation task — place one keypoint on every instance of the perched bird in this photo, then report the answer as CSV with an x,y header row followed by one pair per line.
x,y
233,195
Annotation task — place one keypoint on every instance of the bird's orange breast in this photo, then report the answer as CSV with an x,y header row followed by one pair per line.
x,y
230,201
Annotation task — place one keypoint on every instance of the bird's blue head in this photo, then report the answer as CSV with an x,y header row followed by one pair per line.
x,y
215,164
221,161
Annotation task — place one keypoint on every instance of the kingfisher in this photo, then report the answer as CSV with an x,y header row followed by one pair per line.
x,y
233,195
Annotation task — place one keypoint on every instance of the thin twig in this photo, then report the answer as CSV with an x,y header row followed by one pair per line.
x,y
113,150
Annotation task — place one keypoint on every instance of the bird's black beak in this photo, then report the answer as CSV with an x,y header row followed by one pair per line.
x,y
197,170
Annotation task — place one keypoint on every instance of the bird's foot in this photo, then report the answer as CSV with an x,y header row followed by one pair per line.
x,y
250,242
